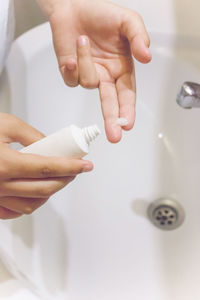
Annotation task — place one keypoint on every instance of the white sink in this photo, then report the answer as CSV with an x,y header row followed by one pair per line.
x,y
92,240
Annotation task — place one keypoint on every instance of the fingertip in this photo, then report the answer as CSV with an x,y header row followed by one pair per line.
x,y
140,50
147,55
129,115
88,166
128,127
126,123
113,133
69,72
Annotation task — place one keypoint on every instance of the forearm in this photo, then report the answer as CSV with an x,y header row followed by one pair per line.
x,y
50,6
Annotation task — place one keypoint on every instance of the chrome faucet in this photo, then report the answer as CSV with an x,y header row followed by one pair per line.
x,y
189,95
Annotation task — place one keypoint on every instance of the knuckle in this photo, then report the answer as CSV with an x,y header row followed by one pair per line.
x,y
139,17
5,169
32,205
28,210
46,172
134,14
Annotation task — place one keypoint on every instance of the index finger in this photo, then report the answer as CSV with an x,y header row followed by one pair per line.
x,y
126,89
110,110
24,165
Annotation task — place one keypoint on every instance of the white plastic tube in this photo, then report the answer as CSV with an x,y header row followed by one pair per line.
x,y
71,142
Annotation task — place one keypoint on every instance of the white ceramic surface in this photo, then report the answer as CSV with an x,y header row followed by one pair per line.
x,y
92,240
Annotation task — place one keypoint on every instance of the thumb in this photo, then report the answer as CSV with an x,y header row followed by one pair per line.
x,y
134,30
16,130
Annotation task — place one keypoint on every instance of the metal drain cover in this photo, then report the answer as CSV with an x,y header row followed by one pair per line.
x,y
166,214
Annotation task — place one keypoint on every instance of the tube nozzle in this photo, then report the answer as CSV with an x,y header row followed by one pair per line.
x,y
91,133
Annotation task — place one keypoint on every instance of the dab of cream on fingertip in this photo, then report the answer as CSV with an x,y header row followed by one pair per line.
x,y
122,121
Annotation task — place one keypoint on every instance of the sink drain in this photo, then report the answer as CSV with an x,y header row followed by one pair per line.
x,y
166,214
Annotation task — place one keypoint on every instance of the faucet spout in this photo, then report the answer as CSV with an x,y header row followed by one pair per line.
x,y
189,95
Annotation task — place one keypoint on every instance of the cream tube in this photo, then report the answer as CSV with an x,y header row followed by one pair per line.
x,y
71,142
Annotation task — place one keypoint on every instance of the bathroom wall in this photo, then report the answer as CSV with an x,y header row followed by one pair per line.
x,y
28,15
167,16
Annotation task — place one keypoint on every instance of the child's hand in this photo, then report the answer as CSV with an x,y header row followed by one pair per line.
x,y
27,180
94,41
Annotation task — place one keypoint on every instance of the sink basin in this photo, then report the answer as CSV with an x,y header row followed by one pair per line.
x,y
93,240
